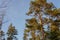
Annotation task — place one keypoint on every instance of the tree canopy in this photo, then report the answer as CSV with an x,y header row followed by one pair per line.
x,y
44,13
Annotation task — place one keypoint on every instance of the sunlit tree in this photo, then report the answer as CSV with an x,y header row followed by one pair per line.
x,y
43,13
11,33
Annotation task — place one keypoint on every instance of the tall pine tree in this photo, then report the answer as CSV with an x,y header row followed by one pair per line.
x,y
43,13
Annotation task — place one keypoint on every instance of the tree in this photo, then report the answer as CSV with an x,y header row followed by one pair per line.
x,y
43,13
3,6
2,35
11,33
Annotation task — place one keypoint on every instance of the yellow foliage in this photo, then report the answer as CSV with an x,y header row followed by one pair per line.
x,y
11,29
53,27
53,12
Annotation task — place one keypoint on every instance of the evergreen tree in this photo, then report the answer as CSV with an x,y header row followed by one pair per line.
x,y
11,33
43,13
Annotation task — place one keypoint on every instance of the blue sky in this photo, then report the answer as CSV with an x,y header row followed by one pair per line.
x,y
16,14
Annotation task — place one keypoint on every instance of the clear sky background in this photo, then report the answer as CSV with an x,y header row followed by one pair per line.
x,y
16,14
